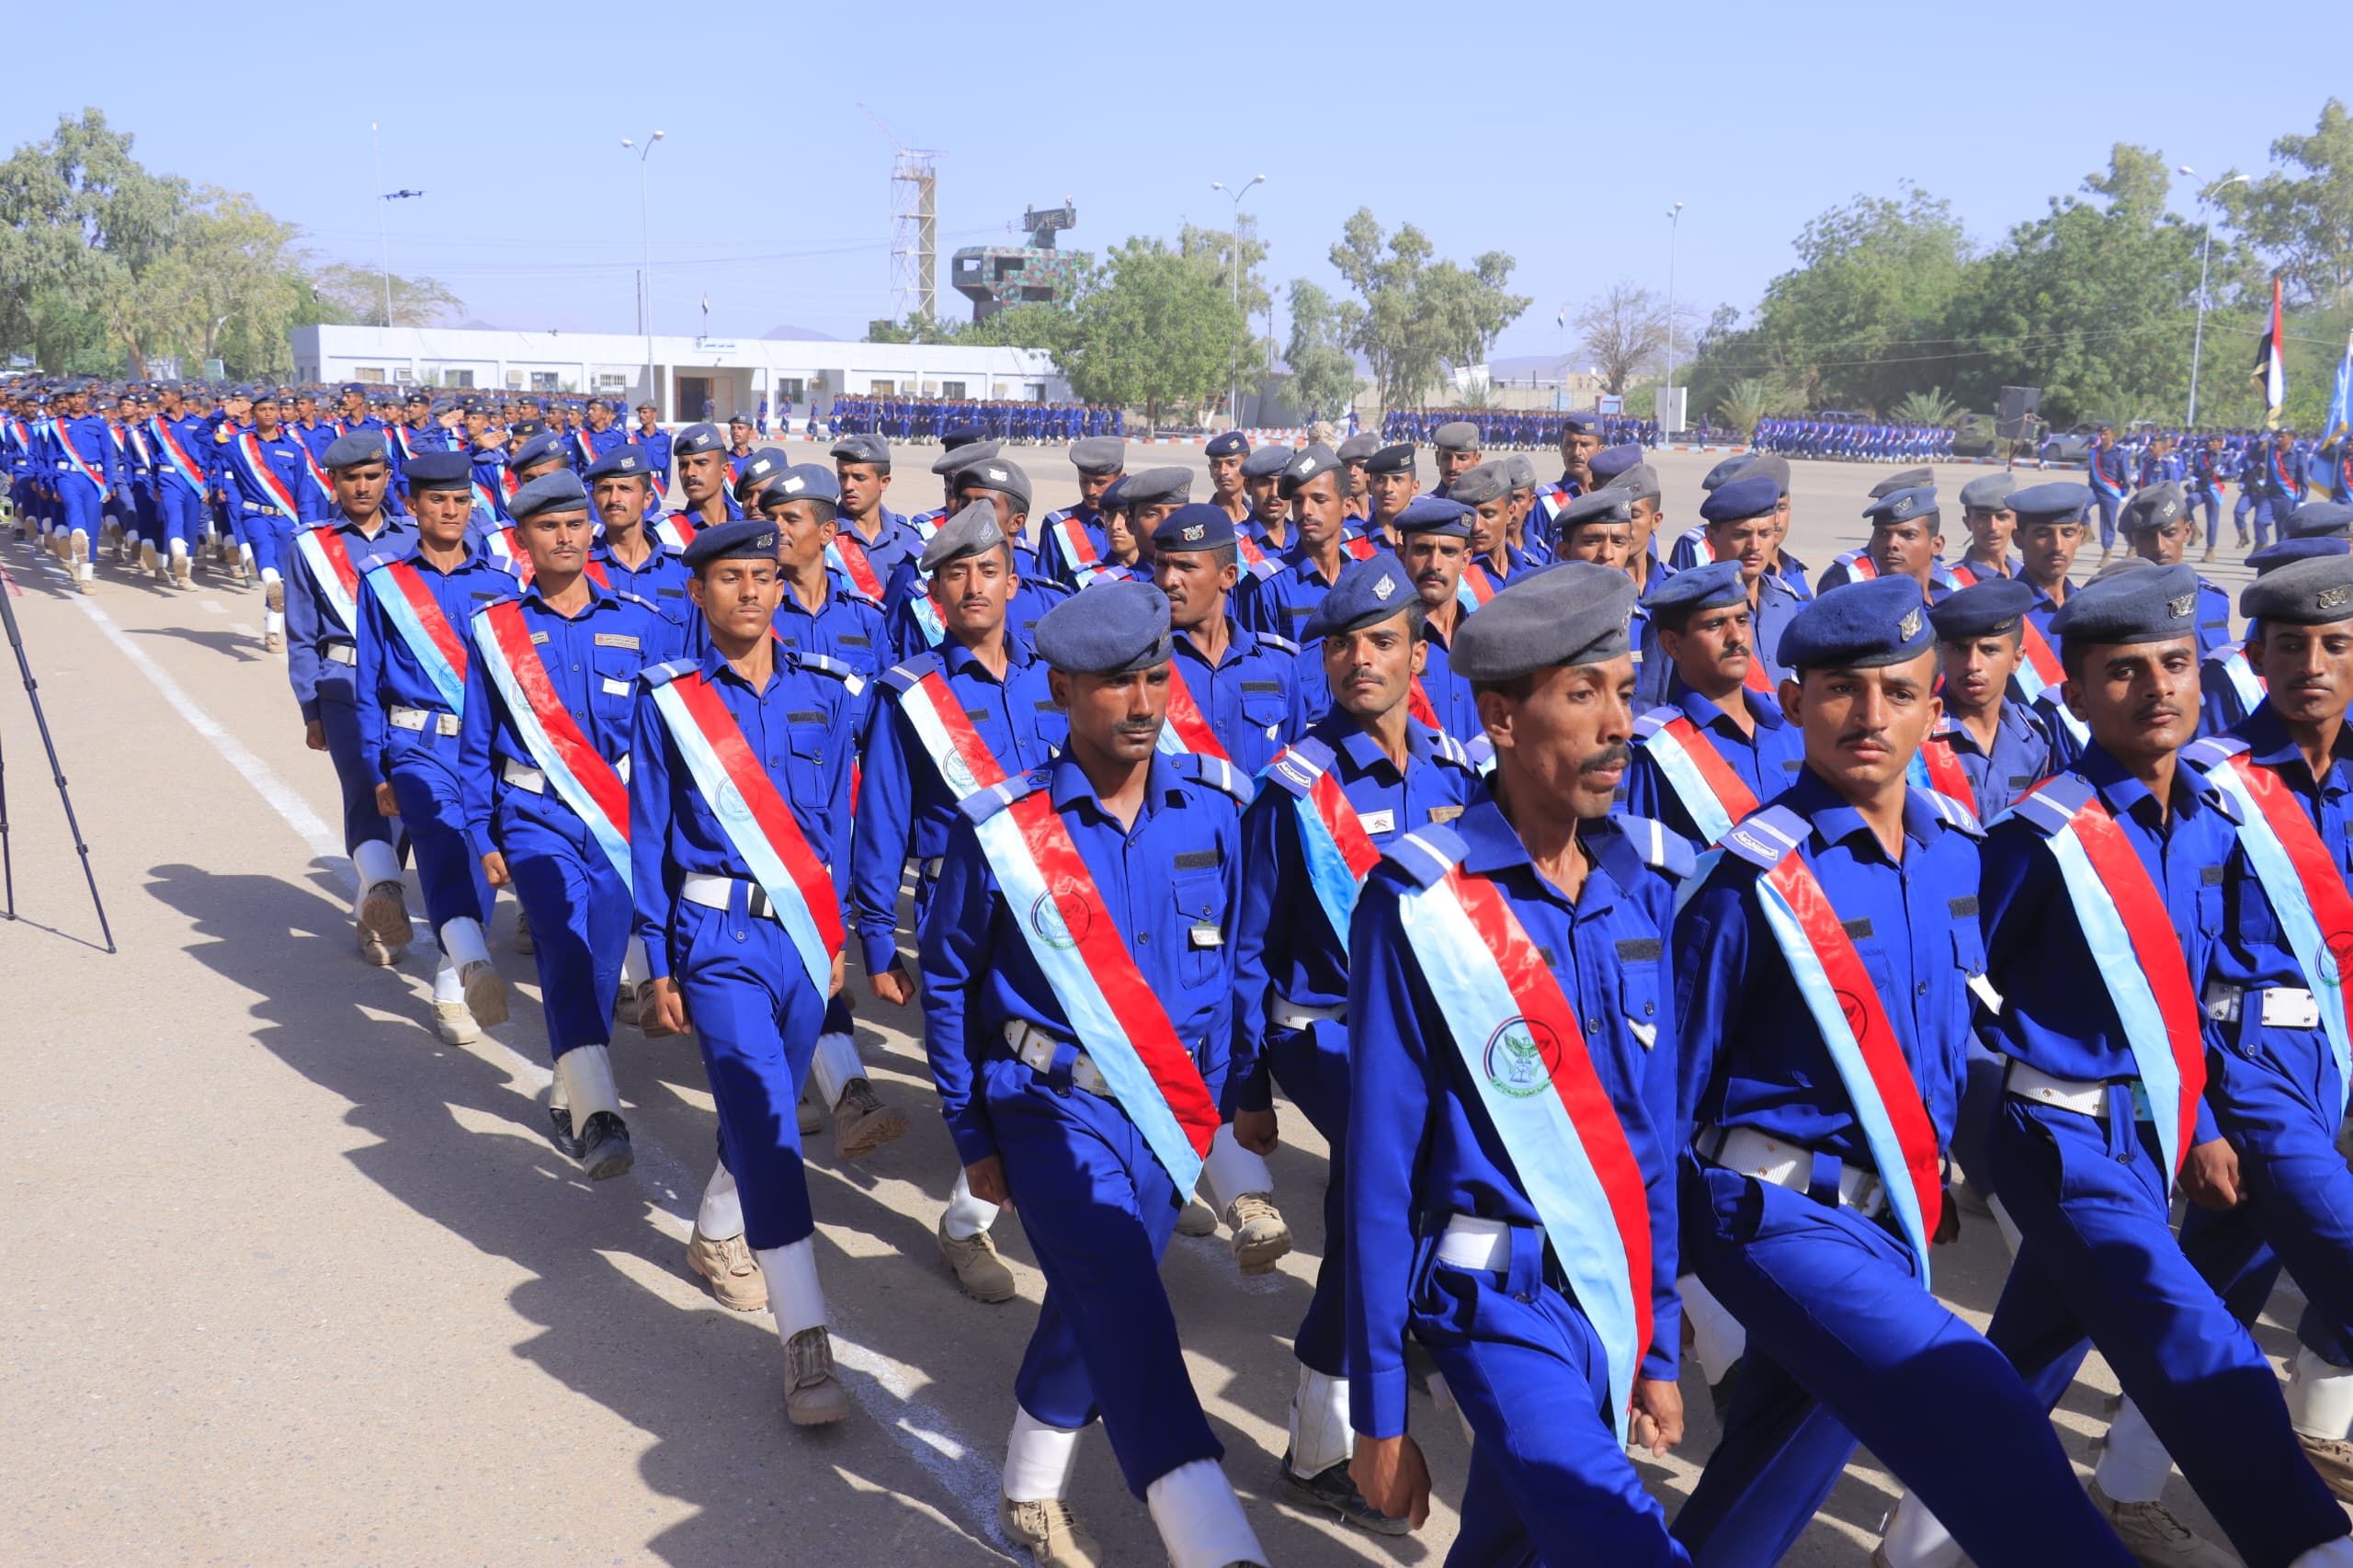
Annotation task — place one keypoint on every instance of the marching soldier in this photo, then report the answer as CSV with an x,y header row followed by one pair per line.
x,y
1434,547
1078,997
1390,484
630,559
700,452
1986,513
1703,763
1494,559
1907,539
1315,484
1456,444
1265,533
2158,525
1355,453
1073,541
1740,519
1985,749
262,467
1226,453
863,470
2050,532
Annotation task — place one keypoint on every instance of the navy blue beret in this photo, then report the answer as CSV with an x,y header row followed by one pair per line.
x,y
755,469
1698,587
1369,592
1990,608
1572,613
870,449
1434,515
973,531
1198,526
349,387
1739,498
1098,454
1232,443
1266,462
2057,502
1477,486
961,435
2153,506
1859,626
801,481
439,471
1581,425
524,429
1158,487
1904,506
1610,462
623,461
1359,447
1306,463
1397,458
2137,607
1115,495
746,538
1110,629
2271,557
1726,472
695,438
545,446
2316,591
358,447
2320,519
558,492
1988,492
1607,505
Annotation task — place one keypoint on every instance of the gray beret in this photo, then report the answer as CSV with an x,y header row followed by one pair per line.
x,y
1456,436
1520,471
1772,466
2318,520
557,491
971,531
698,439
1306,463
2154,506
995,473
861,449
1477,486
2154,606
764,465
1904,506
1108,630
1357,448
956,459
1640,481
2316,591
1607,505
1905,479
1988,492
358,447
1098,454
1572,613
1159,487
1266,462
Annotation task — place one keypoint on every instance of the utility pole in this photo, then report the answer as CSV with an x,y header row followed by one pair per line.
x,y
2205,252
1673,227
645,279
1233,391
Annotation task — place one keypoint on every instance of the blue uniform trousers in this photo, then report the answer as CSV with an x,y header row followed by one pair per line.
x,y
268,536
2277,1103
1098,1210
426,785
179,516
2107,507
353,771
756,1016
1548,1481
2267,510
579,917
79,504
1844,1344
1312,1065
2097,1257
2211,503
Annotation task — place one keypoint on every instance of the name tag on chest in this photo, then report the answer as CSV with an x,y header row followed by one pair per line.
x,y
1377,822
615,640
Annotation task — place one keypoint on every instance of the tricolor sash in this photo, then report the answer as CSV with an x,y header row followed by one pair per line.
x,y
2039,670
1364,547
1078,550
482,501
583,779
587,449
2246,684
1418,704
173,453
1936,766
1711,792
331,568
1255,559
1518,1037
74,458
2130,935
1474,587
318,476
2300,879
964,760
848,556
1186,728
1844,1004
431,640
1860,567
677,530
1333,842
757,822
256,466
1112,1009
927,618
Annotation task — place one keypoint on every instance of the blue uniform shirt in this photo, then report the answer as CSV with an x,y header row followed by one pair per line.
x,y
2056,1015
1287,946
660,582
1168,883
1777,604
2253,951
656,445
2019,758
1053,561
1767,759
905,807
801,726
2230,688
389,672
1450,693
1252,698
894,541
1421,1146
1751,1055
1281,603
314,630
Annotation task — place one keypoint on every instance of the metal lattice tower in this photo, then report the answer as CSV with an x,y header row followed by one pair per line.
x,y
915,226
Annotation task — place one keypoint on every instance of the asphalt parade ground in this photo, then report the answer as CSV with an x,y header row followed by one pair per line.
x,y
289,1281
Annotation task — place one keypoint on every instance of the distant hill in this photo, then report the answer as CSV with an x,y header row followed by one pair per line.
x,y
798,334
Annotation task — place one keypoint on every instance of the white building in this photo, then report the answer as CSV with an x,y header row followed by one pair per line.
x,y
692,376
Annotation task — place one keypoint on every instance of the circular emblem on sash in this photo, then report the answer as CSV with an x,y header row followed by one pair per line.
x,y
1060,918
2336,953
957,772
1521,1056
1858,1018
730,804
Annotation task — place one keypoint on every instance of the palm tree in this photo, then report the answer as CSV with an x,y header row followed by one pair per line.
x,y
1930,407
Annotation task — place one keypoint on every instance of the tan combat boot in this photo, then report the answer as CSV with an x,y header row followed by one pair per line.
x,y
862,1123
1050,1531
812,1396
1260,1236
974,1262
727,1265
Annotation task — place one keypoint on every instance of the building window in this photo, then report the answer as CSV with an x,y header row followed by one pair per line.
x,y
368,375
515,380
458,378
1037,390
883,388
792,387
609,384
544,381
952,390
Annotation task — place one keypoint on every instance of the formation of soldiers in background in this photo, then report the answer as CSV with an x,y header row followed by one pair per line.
x,y
920,420
1853,440
1668,940
1511,429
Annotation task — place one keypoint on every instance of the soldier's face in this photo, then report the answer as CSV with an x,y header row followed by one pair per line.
x,y
1391,491
1434,563
801,534
1143,520
1862,726
701,474
1450,463
2048,550
2140,700
443,515
2307,670
1748,540
1113,719
1977,671
1371,669
1713,650
1225,477
620,500
1358,483
355,407
1560,750
1092,485
1906,549
557,542
1990,532
972,593
1321,509
2164,545
1196,583
862,486
1576,453
1604,544
1267,498
738,599
359,488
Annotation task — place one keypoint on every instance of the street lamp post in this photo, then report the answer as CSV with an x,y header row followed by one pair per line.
x,y
2205,250
645,279
1673,227
1233,391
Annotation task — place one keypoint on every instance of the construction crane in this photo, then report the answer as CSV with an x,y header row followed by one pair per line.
x,y
914,226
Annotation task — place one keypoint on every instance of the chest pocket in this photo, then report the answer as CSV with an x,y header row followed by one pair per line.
x,y
2253,923
1262,703
1199,889
612,681
1638,987
807,730
2210,902
1053,726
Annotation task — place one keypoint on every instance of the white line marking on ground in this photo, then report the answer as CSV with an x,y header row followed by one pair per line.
x,y
243,629
212,606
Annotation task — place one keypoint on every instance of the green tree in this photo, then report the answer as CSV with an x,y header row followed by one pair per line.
x,y
1323,378
81,222
1158,331
1412,317
2302,223
356,296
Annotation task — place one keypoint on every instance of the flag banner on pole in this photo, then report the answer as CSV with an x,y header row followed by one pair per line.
x,y
2334,428
2270,373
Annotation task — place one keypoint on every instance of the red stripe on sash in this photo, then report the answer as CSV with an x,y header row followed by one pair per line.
x,y
1965,574
1758,679
861,569
1363,547
587,764
1861,569
979,760
1732,793
2039,653
1482,587
249,446
2148,924
1537,994
427,610
1418,704
1874,1036
1080,906
595,571
776,823
1340,818
331,545
1946,774
2325,886
1248,549
1186,718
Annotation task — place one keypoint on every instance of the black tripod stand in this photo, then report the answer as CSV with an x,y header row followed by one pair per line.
x,y
32,693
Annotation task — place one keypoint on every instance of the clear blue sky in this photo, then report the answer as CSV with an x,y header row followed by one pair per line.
x,y
1491,125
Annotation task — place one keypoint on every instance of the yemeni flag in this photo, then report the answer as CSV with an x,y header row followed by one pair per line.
x,y
2270,373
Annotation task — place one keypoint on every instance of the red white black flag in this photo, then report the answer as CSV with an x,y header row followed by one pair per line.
x,y
2270,373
